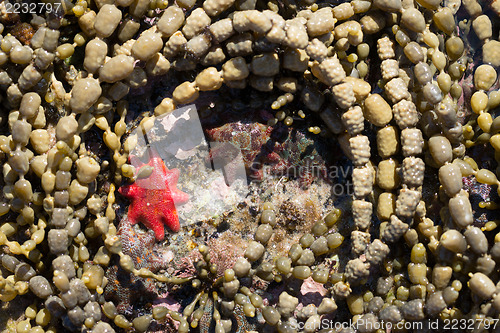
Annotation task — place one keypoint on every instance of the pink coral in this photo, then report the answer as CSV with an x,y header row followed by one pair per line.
x,y
267,150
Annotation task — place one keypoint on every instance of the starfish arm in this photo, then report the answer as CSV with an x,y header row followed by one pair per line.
x,y
169,216
157,226
153,199
172,177
160,172
133,214
179,197
130,191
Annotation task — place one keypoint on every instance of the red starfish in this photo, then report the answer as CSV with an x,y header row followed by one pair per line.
x,y
154,198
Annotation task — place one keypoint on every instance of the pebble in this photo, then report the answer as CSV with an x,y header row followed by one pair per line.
x,y
388,141
103,327
24,272
454,241
58,241
95,54
484,77
387,176
413,310
271,315
80,291
84,94
450,177
116,69
40,287
461,210
87,169
481,285
476,239
107,20
196,22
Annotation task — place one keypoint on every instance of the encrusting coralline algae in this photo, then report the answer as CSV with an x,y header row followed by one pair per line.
x,y
408,90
